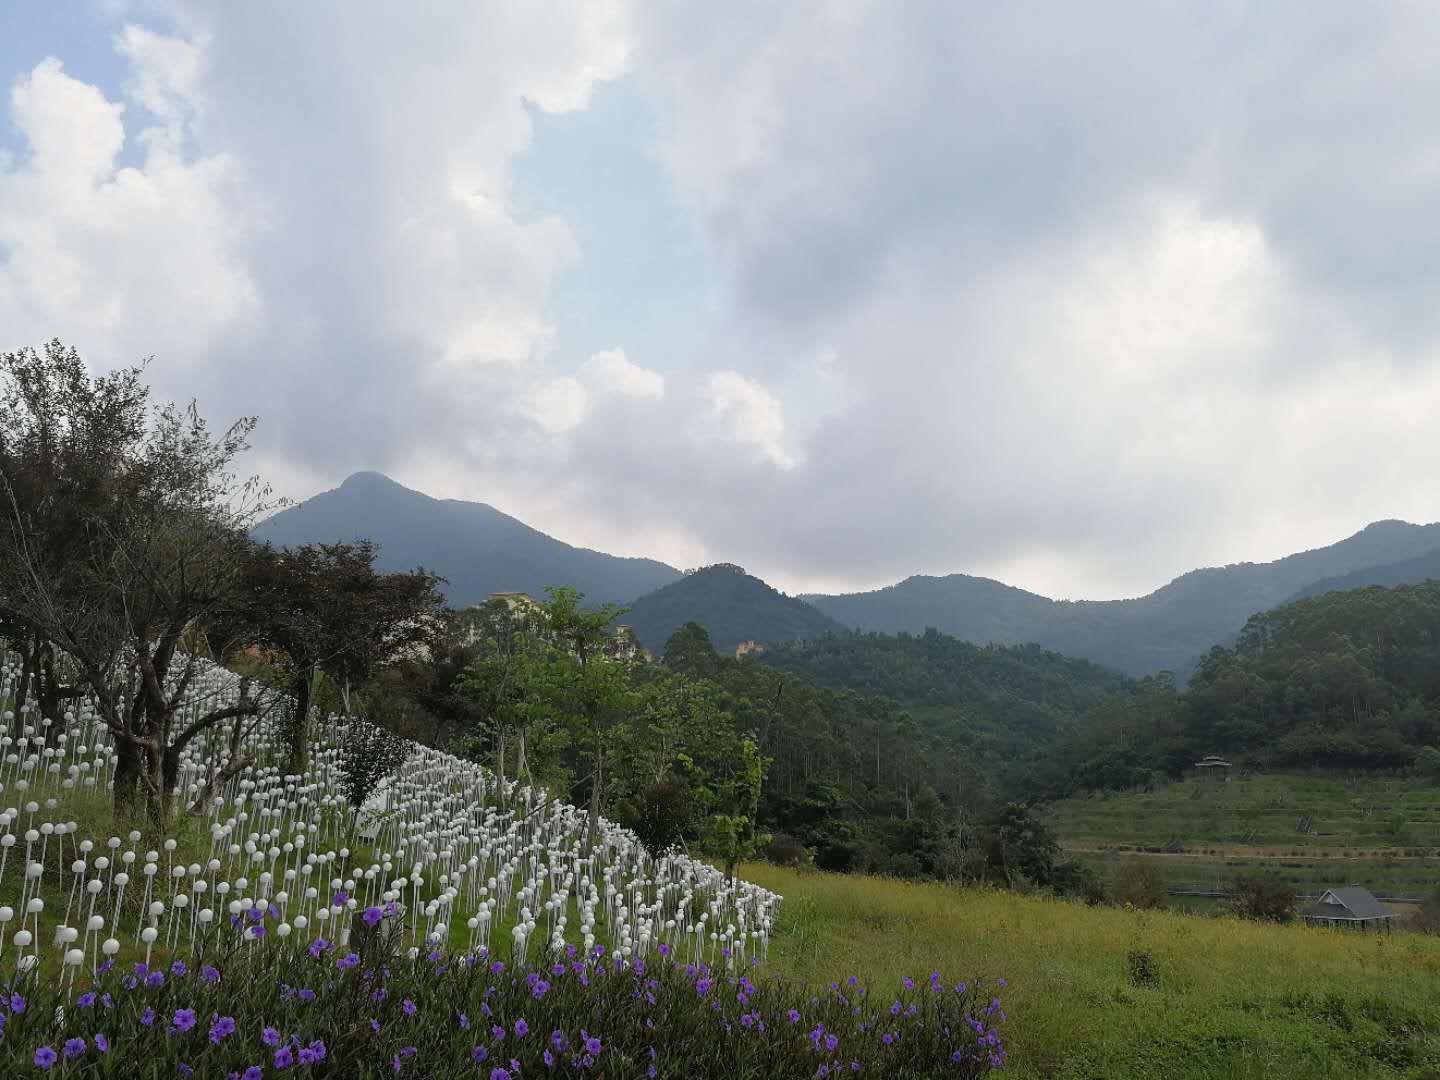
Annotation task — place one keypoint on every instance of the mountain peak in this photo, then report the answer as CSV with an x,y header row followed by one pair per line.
x,y
368,478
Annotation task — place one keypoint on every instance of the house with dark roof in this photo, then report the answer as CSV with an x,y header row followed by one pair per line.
x,y
1350,906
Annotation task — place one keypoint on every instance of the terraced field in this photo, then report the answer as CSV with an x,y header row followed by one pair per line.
x,y
1308,830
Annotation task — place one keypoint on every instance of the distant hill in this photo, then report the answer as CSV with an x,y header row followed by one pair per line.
x,y
476,547
1406,572
730,604
1166,630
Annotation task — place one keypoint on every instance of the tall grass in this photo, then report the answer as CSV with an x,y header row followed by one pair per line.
x,y
1229,998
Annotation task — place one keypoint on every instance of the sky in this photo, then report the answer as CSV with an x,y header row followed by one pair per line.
x,y
1079,297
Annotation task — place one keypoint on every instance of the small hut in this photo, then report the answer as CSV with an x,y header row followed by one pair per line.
x,y
1213,767
1351,907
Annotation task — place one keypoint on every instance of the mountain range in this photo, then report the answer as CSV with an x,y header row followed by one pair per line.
x,y
482,551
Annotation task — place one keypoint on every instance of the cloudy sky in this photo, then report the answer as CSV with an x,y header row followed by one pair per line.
x,y
1075,296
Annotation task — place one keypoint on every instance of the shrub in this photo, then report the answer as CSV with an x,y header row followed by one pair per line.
x,y
786,850
1263,899
1140,884
1142,968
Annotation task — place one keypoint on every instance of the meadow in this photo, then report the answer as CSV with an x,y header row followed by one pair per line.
x,y
1098,993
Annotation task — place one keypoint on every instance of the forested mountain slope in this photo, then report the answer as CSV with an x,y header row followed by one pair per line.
x,y
733,607
1165,630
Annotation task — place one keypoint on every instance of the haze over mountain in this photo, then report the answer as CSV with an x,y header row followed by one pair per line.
x,y
731,604
478,549
1165,630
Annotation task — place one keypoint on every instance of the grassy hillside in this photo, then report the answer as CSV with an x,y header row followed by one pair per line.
x,y
1233,999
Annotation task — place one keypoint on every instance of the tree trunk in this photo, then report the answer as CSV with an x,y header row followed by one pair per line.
x,y
170,779
520,756
298,735
152,782
597,785
500,766
128,768
29,647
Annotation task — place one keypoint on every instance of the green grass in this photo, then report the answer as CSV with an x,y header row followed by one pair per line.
x,y
1234,999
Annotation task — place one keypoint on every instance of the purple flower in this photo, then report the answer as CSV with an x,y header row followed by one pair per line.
x,y
210,974
408,1007
831,1042
497,1032
499,1074
46,1057
284,1057
340,898
349,960
147,1017
183,1020
464,1022
102,1043
318,946
306,995
178,968
254,1072
155,978
17,1003
549,1059
75,1047
270,1037
184,1070
793,1016
592,1044
86,1000
220,1028
479,1053
521,1029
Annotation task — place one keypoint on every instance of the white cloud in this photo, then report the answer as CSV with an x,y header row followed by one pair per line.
x,y
123,261
612,372
740,411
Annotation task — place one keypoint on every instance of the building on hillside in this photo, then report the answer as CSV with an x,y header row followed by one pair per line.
x,y
1351,907
746,648
514,600
624,645
1213,768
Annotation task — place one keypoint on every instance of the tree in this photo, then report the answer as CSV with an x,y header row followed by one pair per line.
x,y
513,679
599,686
368,754
1020,847
122,533
64,438
325,608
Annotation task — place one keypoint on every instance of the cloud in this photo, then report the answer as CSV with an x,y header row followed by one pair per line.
x,y
134,259
611,372
1076,298
740,411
